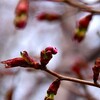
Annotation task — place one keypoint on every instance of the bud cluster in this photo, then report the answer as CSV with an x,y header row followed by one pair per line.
x,y
26,61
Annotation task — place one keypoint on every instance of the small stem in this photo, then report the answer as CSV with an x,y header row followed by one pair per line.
x,y
76,4
81,6
61,77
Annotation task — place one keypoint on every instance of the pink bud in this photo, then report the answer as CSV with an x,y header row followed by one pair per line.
x,y
84,22
54,87
22,7
46,55
15,62
53,50
25,61
48,16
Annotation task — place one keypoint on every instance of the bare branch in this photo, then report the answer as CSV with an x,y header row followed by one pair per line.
x,y
61,77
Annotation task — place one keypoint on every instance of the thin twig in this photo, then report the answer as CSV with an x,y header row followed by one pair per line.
x,y
82,6
77,4
61,77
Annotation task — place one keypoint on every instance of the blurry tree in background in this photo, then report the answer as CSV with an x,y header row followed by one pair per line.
x,y
54,23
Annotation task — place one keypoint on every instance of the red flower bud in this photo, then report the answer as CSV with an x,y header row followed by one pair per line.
x,y
96,70
25,61
81,28
84,22
21,12
22,7
53,50
52,90
20,21
46,55
15,62
54,87
49,16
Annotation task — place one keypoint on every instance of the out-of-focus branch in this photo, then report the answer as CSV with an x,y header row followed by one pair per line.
x,y
90,2
81,6
76,4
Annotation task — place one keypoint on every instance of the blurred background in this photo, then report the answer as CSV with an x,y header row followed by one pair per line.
x,y
26,84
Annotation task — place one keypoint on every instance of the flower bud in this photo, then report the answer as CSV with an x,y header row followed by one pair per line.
x,y
82,27
46,55
26,57
22,7
84,22
54,87
48,16
20,21
15,62
30,60
21,12
96,70
51,49
25,61
52,91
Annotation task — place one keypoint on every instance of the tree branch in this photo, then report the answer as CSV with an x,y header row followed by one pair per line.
x,y
61,77
81,6
76,4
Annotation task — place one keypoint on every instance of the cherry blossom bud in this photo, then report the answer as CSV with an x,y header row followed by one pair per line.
x,y
52,91
46,55
20,21
21,12
24,61
54,87
22,7
15,62
82,27
53,50
96,70
48,16
84,22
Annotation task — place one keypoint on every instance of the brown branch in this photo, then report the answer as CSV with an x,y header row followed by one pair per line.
x,y
81,6
89,3
61,77
76,4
